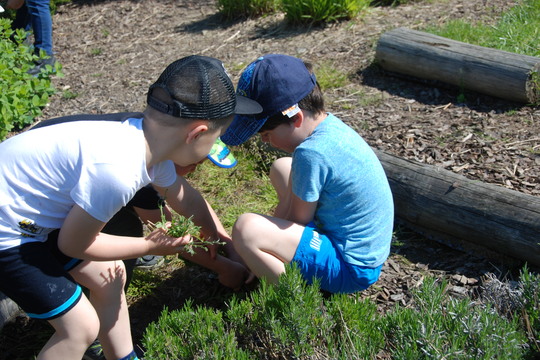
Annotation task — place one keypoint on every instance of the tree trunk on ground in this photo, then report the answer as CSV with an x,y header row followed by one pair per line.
x,y
493,72
464,213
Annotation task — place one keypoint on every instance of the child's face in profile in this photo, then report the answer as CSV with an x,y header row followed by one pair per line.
x,y
281,137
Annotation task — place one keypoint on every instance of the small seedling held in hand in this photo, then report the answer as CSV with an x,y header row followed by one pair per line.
x,y
181,226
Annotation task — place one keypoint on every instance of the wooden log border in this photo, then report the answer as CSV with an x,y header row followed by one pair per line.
x,y
451,208
489,71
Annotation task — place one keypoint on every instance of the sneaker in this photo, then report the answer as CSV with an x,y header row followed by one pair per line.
x,y
40,64
94,352
149,261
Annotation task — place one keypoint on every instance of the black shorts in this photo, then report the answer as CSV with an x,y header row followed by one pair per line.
x,y
35,276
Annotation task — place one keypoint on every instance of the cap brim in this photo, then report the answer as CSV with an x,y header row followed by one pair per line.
x,y
221,155
247,106
242,128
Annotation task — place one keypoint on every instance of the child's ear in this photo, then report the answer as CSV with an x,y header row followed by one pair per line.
x,y
196,131
298,119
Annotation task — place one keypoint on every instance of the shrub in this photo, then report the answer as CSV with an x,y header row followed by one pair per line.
x,y
21,95
290,320
286,320
447,328
191,334
530,283
320,11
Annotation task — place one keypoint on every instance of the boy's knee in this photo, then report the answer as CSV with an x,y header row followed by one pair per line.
x,y
281,166
243,228
81,324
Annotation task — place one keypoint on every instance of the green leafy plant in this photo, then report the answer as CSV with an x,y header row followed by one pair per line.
x,y
22,96
180,226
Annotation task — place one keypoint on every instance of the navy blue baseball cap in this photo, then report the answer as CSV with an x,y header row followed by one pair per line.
x,y
277,82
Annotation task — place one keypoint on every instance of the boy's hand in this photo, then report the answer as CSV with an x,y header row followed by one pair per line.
x,y
159,243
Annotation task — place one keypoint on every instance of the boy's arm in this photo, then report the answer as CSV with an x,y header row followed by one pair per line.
x,y
188,202
300,211
80,237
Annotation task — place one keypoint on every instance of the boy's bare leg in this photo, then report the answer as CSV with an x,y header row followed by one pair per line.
x,y
74,332
266,243
105,281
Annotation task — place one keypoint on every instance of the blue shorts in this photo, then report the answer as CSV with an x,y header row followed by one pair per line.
x,y
317,257
35,276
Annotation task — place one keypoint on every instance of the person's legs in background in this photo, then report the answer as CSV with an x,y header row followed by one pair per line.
x,y
39,12
35,16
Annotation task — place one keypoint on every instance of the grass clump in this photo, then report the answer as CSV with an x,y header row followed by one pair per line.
x,y
234,9
329,77
322,11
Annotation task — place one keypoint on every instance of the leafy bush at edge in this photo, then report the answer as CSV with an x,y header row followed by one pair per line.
x,y
22,96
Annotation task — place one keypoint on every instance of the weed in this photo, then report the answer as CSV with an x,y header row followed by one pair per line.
x,y
96,51
329,77
68,94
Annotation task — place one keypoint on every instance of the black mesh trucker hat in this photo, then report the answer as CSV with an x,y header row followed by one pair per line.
x,y
200,89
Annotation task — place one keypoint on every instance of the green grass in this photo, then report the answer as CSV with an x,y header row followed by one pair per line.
x,y
518,30
249,179
330,77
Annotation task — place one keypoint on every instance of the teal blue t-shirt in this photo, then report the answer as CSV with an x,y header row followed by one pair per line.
x,y
336,167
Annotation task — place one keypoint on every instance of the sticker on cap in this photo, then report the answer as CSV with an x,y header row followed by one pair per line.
x,y
290,112
221,155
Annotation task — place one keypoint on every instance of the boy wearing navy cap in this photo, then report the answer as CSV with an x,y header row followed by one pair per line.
x,y
335,213
60,185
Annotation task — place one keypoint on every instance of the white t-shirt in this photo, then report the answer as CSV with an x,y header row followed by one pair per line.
x,y
98,165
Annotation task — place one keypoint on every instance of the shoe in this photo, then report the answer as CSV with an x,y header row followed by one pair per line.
x,y
40,64
149,261
94,352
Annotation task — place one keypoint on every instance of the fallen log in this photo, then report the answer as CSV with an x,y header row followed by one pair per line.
x,y
489,71
464,213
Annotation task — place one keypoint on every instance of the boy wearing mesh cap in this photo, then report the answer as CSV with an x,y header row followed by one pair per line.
x,y
60,185
335,213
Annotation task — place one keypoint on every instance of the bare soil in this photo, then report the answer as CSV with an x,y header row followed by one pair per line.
x,y
111,51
